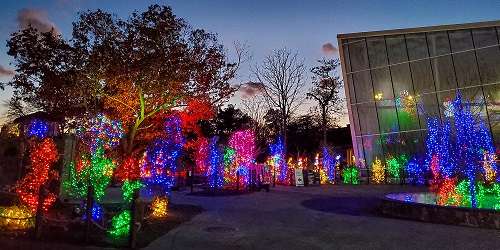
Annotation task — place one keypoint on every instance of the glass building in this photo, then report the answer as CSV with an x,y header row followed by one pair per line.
x,y
395,79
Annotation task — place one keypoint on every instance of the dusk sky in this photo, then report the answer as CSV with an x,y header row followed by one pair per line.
x,y
302,26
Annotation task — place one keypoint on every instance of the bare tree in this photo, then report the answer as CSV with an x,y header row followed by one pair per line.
x,y
325,91
254,107
282,76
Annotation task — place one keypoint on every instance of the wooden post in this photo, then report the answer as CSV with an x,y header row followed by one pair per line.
x,y
133,218
88,212
192,178
237,180
39,212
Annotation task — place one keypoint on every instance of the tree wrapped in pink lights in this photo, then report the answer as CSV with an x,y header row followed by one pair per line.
x,y
243,144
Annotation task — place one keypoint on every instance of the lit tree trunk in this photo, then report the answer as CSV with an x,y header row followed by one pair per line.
x,y
324,123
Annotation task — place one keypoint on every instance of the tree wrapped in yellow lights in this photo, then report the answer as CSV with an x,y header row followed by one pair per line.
x,y
159,207
378,171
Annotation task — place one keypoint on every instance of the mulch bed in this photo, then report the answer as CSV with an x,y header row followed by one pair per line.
x,y
72,236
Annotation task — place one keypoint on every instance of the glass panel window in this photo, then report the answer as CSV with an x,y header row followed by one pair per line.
x,y
438,43
422,76
444,75
368,118
376,51
461,40
407,114
401,79
396,49
474,97
492,96
361,152
417,46
358,54
345,47
466,69
445,104
355,121
428,108
465,62
363,86
352,94
382,84
488,54
387,116
373,149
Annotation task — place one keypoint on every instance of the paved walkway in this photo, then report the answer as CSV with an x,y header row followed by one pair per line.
x,y
326,217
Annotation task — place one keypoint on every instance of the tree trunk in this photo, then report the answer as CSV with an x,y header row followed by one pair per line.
x,y
324,124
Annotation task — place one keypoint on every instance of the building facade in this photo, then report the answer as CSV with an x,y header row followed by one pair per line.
x,y
396,79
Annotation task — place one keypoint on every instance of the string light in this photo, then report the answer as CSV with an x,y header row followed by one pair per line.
x,y
378,171
395,165
277,161
97,211
43,156
215,171
100,131
350,175
120,224
159,163
201,155
460,152
416,171
243,143
96,170
38,128
229,165
159,207
407,102
488,161
329,164
129,188
16,218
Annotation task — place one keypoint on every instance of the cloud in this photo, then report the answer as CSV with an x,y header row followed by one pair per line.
x,y
250,89
328,49
38,19
4,72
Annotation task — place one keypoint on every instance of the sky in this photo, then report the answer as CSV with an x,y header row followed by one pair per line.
x,y
301,26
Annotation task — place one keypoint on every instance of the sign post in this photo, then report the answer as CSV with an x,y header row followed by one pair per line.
x,y
299,178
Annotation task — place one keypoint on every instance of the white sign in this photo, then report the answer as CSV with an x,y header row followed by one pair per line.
x,y
299,178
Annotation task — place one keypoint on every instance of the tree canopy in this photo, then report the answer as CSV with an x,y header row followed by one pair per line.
x,y
134,68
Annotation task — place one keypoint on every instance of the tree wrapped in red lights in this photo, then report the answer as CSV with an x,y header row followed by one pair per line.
x,y
43,156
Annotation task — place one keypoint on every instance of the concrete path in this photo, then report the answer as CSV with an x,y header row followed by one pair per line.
x,y
326,217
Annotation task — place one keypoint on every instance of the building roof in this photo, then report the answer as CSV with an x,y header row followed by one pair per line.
x,y
37,115
419,29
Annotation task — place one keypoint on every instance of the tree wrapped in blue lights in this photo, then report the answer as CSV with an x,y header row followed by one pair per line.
x,y
329,163
461,151
161,157
215,171
416,171
38,128
278,161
